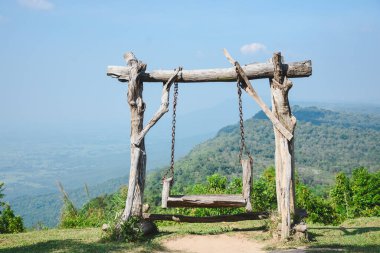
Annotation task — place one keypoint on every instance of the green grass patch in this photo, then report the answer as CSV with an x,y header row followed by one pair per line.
x,y
356,235
69,240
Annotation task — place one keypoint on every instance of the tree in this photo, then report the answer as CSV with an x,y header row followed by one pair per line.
x,y
341,196
365,192
264,191
9,222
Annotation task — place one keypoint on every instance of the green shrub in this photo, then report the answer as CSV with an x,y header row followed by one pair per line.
x,y
94,213
358,196
264,191
341,196
318,209
129,231
9,222
365,188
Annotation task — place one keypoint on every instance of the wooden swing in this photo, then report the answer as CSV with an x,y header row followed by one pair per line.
x,y
283,121
210,200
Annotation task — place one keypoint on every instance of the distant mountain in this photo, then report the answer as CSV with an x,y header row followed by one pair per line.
x,y
46,208
326,142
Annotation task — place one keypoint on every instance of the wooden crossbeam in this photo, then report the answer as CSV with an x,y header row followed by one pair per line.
x,y
208,219
253,71
251,91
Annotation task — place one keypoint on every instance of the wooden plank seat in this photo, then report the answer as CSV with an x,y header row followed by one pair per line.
x,y
207,219
211,200
225,200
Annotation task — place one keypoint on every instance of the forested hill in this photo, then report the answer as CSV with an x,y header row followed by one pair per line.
x,y
325,142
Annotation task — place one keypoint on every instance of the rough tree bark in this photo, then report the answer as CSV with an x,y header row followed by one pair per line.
x,y
247,87
253,71
284,153
133,205
134,201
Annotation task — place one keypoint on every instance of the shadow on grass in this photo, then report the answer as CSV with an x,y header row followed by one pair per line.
x,y
70,245
337,247
351,230
223,230
344,248
261,228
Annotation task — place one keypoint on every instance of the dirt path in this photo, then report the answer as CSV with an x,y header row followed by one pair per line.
x,y
214,244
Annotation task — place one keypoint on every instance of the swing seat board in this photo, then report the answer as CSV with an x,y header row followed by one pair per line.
x,y
207,219
223,200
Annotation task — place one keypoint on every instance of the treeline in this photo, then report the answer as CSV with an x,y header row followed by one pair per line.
x,y
350,196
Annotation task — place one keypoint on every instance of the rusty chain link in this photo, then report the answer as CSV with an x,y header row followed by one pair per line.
x,y
241,121
170,172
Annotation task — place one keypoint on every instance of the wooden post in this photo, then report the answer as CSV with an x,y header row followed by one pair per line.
x,y
247,182
134,201
133,205
165,191
284,156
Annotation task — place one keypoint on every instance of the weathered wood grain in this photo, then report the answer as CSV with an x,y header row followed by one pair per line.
x,y
164,108
251,91
284,153
133,206
224,200
253,71
165,191
209,219
247,182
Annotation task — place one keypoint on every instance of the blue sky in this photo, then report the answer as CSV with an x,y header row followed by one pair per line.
x,y
54,54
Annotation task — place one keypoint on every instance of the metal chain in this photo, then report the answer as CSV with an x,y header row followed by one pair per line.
x,y
170,172
242,134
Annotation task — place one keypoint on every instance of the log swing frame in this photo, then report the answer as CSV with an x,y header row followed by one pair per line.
x,y
209,200
281,117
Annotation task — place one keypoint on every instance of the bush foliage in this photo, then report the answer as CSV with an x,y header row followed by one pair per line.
x,y
355,196
95,212
9,222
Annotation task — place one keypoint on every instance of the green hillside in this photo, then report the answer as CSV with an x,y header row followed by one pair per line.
x,y
326,142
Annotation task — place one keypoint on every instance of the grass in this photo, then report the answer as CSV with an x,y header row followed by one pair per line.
x,y
358,235
68,240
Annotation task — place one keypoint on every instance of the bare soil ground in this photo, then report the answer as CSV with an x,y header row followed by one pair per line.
x,y
223,243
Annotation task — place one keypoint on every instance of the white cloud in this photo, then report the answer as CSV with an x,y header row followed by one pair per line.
x,y
252,48
43,5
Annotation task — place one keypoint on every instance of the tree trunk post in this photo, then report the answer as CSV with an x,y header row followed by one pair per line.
x,y
284,152
133,205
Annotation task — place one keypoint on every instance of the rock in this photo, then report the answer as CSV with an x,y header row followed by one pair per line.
x,y
146,208
148,227
105,227
300,228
